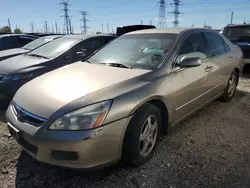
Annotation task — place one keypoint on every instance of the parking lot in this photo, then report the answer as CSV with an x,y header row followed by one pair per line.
x,y
210,149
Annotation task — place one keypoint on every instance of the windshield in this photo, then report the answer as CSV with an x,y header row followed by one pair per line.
x,y
236,32
144,51
36,43
55,47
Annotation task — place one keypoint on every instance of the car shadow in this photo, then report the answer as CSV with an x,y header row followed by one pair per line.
x,y
31,173
2,116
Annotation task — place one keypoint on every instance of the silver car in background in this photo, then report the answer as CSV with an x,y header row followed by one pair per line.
x,y
115,105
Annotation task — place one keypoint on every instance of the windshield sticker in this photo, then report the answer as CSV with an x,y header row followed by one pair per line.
x,y
153,50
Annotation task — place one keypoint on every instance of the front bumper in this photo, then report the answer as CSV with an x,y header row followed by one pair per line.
x,y
73,149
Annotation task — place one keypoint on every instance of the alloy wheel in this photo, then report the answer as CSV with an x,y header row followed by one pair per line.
x,y
148,135
232,85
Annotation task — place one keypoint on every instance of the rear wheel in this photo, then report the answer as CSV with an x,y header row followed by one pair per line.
x,y
142,135
231,87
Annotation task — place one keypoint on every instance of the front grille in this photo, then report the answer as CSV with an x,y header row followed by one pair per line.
x,y
1,77
27,117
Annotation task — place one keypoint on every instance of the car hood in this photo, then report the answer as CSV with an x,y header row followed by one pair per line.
x,y
12,52
46,94
19,62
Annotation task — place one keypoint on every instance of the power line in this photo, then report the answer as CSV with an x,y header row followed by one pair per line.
x,y
176,12
65,9
162,15
84,21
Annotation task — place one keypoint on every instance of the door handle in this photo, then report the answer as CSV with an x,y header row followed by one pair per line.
x,y
230,58
208,68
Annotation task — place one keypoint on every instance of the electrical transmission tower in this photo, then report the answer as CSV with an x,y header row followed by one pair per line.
x,y
176,12
46,30
84,22
32,27
162,15
65,9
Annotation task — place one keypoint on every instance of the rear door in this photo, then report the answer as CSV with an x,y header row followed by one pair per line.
x,y
190,83
219,64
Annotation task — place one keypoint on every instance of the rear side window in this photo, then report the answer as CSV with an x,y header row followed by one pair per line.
x,y
216,44
193,46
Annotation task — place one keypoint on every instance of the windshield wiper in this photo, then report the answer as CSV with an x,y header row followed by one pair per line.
x,y
118,65
36,55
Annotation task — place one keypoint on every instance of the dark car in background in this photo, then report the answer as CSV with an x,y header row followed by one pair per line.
x,y
18,70
129,28
9,41
239,35
28,47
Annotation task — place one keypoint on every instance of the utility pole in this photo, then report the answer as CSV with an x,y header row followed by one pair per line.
x,y
52,29
232,17
162,15
56,27
176,12
65,9
141,22
32,27
150,22
84,21
9,24
204,24
108,27
102,28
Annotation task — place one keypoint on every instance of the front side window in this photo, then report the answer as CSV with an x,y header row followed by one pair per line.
x,y
215,43
142,51
193,46
55,47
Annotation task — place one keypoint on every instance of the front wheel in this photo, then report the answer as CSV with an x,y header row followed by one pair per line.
x,y
142,135
231,87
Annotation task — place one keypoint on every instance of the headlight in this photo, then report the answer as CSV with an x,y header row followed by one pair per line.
x,y
24,76
88,117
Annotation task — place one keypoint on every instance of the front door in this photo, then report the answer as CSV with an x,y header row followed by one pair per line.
x,y
190,84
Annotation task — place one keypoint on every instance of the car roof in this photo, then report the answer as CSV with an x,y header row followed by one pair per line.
x,y
87,36
166,30
238,25
7,35
51,37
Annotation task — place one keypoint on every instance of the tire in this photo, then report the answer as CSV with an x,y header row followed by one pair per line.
x,y
135,151
231,87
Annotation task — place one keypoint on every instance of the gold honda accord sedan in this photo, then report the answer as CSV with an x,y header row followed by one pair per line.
x,y
115,105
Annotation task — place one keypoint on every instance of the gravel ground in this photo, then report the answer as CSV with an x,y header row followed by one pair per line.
x,y
210,149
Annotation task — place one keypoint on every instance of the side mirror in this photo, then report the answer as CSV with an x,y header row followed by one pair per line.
x,y
187,62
